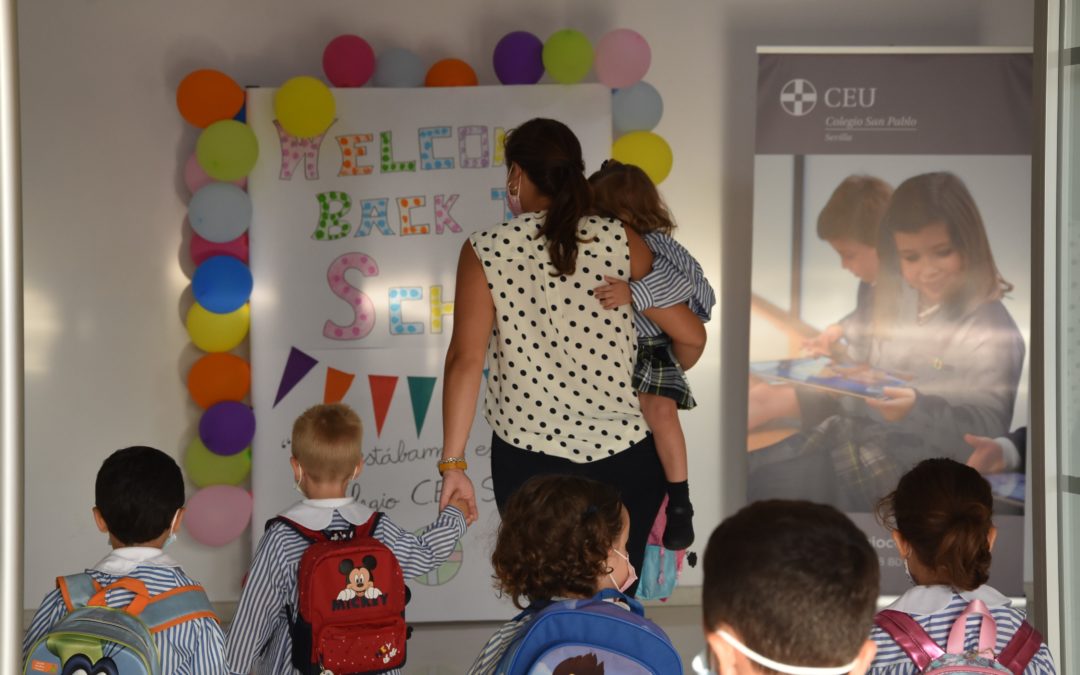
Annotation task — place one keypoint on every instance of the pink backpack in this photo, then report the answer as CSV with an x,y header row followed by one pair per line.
x,y
931,658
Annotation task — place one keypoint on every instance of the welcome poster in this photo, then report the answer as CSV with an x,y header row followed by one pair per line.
x,y
355,239
930,319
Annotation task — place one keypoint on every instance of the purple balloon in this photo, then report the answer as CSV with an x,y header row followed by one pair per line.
x,y
226,428
518,58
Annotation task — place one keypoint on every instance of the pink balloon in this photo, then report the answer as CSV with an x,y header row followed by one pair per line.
x,y
348,61
195,177
218,514
201,249
622,58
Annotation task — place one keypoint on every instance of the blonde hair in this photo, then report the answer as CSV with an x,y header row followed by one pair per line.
x,y
326,441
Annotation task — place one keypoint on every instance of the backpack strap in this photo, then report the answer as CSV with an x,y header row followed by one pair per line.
x,y
909,636
1022,647
176,606
137,604
613,594
987,628
77,589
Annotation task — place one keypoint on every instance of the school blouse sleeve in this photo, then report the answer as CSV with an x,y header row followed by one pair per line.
x,y
51,610
676,277
261,602
199,649
421,553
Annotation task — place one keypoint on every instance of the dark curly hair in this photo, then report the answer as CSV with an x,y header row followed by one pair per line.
x,y
944,510
554,539
626,193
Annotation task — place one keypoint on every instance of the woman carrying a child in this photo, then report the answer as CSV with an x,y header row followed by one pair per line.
x,y
938,322
559,395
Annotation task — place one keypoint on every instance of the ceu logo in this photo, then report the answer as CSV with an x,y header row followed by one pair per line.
x,y
798,97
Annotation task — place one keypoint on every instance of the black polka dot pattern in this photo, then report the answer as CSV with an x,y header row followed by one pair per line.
x,y
560,357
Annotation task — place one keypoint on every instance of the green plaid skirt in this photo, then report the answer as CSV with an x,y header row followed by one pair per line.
x,y
657,372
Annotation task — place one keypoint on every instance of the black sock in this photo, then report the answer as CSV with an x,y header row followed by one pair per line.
x,y
679,493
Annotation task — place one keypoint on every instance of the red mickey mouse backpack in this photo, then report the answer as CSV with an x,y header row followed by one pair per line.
x,y
351,618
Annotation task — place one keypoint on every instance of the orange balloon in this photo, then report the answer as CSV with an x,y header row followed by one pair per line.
x,y
207,96
451,73
219,377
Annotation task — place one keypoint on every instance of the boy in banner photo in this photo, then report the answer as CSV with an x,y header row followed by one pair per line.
x,y
938,323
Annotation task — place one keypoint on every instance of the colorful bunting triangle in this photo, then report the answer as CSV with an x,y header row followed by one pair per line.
x,y
337,385
297,366
420,391
382,390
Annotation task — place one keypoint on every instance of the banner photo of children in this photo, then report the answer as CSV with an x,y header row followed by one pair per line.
x,y
891,271
355,239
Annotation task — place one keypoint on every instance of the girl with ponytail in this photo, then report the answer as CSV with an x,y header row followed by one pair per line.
x,y
559,396
940,516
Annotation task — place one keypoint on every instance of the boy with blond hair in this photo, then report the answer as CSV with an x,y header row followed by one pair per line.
x,y
326,456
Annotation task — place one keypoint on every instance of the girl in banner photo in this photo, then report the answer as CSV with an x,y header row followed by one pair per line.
x,y
939,324
559,394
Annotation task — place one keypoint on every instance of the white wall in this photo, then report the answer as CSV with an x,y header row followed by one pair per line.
x,y
106,259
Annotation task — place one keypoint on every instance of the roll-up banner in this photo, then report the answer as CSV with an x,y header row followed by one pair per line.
x,y
891,288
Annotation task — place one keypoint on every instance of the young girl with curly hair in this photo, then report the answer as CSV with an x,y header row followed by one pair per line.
x,y
590,525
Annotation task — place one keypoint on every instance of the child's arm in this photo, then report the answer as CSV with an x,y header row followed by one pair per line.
x,y
421,553
51,610
261,603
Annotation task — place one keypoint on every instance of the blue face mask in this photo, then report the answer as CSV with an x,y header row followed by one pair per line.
x,y
172,533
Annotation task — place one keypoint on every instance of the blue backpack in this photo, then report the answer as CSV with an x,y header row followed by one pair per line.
x,y
94,638
592,635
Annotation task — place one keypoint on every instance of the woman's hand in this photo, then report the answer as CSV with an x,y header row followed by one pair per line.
x,y
457,487
897,406
615,293
822,344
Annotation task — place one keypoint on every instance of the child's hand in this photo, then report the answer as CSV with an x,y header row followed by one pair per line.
x,y
461,505
822,344
615,293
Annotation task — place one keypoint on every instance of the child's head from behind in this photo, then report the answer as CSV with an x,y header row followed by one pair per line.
x,y
849,222
556,539
941,518
326,442
625,192
794,582
138,495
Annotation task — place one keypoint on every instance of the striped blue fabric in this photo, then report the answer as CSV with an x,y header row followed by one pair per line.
x,y
891,660
496,646
258,641
195,647
675,277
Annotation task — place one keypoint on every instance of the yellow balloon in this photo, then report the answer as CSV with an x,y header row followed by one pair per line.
x,y
645,150
217,332
304,107
207,468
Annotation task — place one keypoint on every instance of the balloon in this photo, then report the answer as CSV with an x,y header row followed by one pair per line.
x,y
222,284
220,212
195,178
227,150
207,468
518,58
568,56
348,61
218,514
218,377
636,108
304,107
226,428
645,150
622,58
450,73
398,67
201,249
207,96
217,332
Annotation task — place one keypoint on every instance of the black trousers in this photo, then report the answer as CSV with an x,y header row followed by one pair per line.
x,y
636,473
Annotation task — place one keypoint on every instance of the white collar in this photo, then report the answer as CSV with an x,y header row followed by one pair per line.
x,y
123,561
922,600
317,514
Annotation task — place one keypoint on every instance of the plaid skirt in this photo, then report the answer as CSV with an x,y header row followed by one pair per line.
x,y
657,372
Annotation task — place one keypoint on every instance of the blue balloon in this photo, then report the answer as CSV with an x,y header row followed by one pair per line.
x,y
222,284
220,212
636,108
399,67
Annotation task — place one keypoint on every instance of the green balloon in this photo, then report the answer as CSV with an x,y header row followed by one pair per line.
x,y
207,468
568,56
227,150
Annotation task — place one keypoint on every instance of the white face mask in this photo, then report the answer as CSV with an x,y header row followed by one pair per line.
x,y
299,477
775,665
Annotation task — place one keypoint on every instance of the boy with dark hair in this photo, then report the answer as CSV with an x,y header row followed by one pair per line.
x,y
326,457
139,504
790,587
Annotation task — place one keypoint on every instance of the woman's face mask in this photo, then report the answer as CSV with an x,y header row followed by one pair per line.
x,y
513,195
